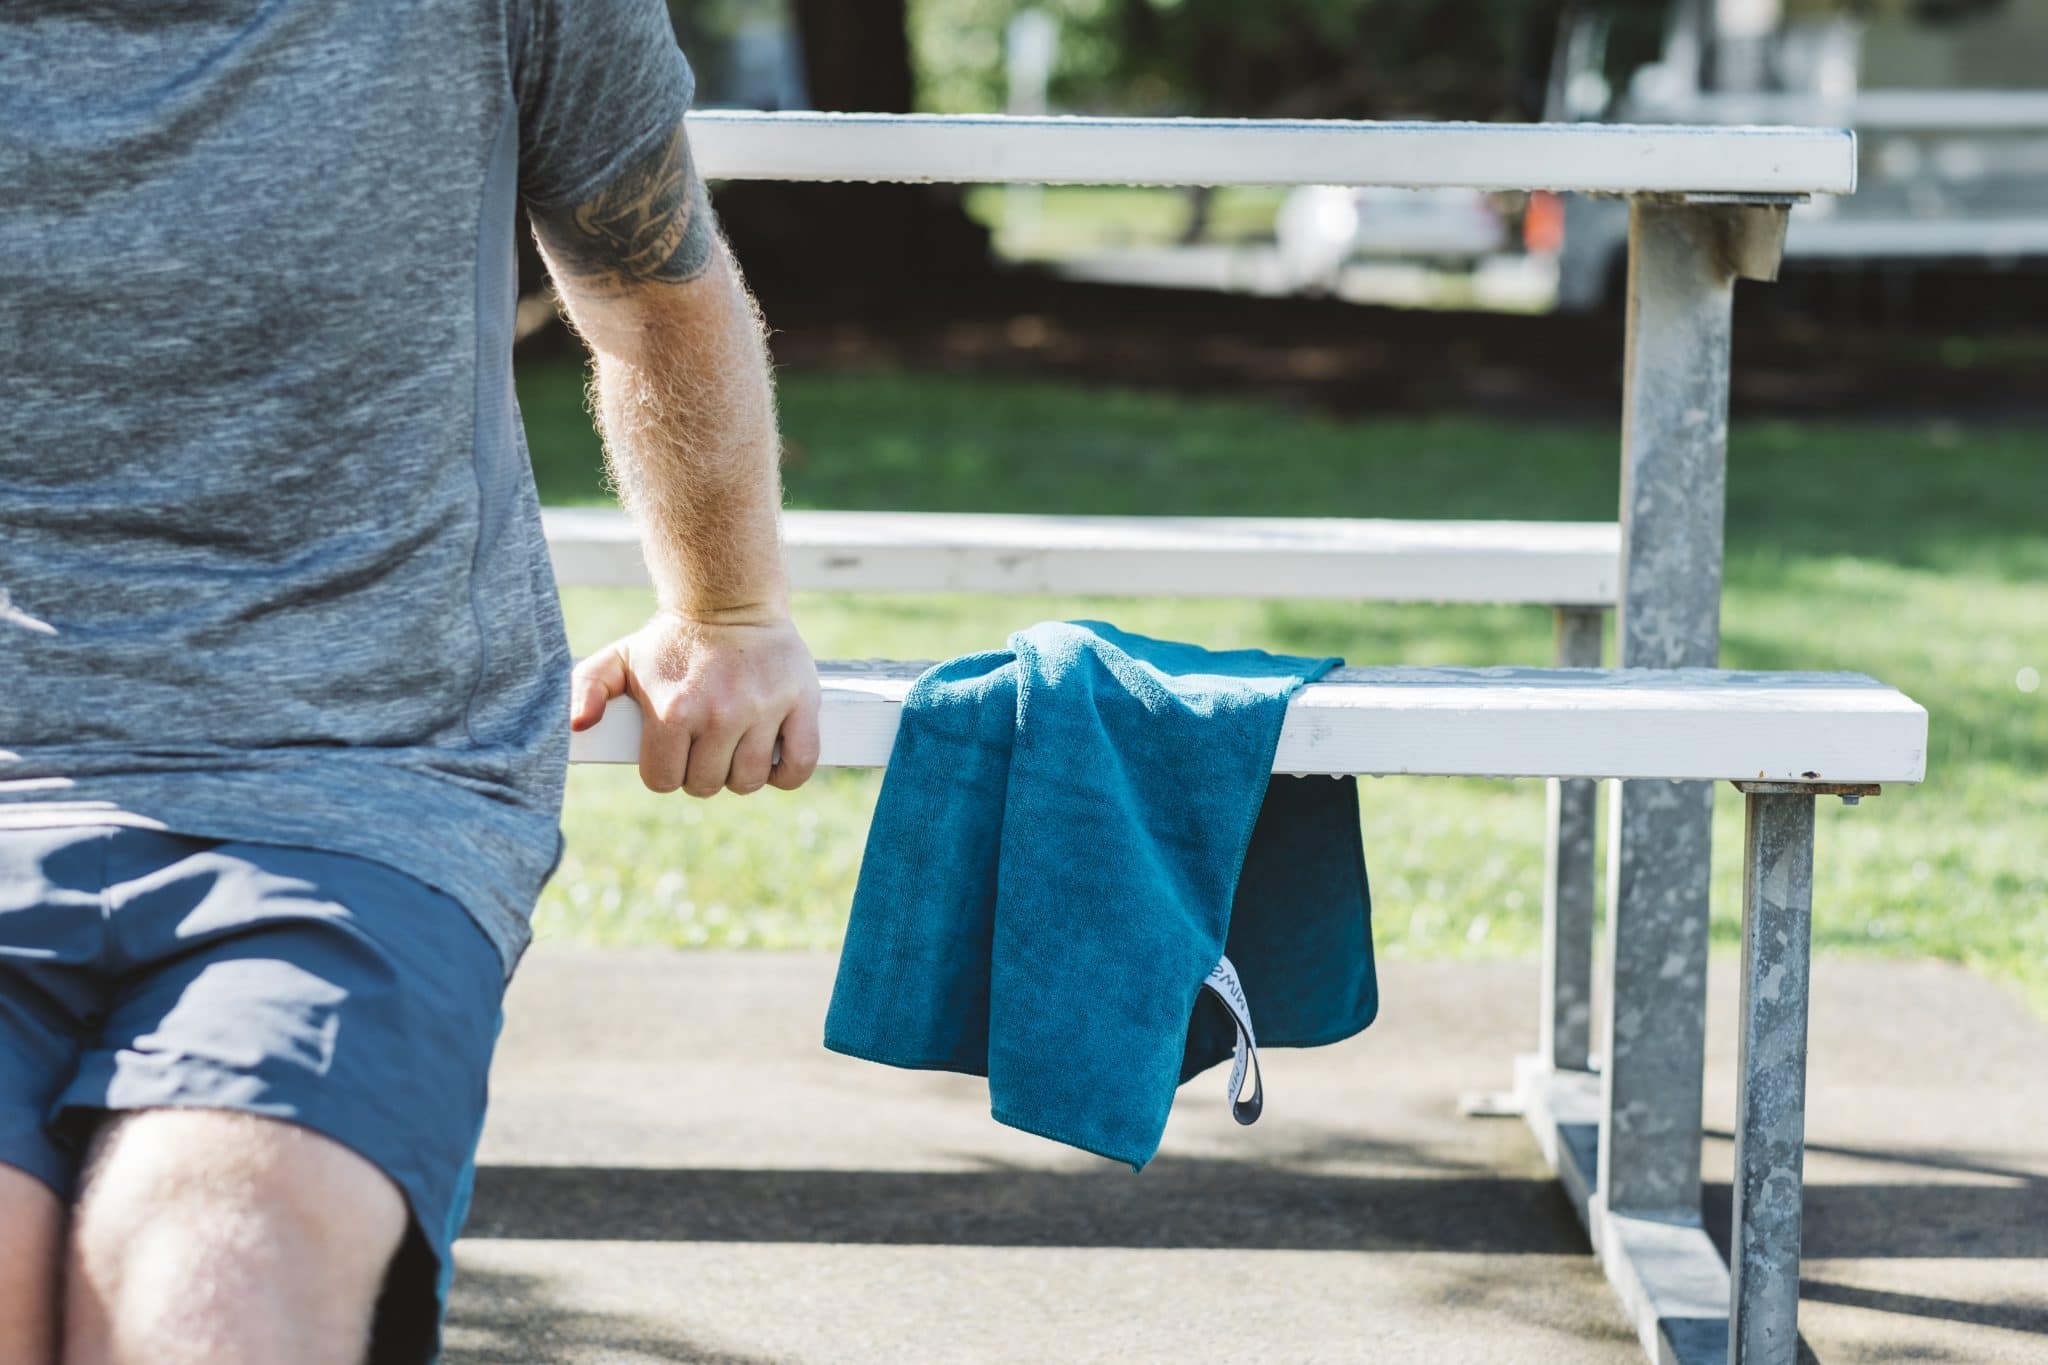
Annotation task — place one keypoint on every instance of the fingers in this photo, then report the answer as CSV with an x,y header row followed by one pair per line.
x,y
716,702
799,745
711,750
665,745
752,759
713,757
595,682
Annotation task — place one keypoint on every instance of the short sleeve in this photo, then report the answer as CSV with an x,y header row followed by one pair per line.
x,y
599,82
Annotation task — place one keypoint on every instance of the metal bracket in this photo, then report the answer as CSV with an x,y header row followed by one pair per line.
x,y
1749,228
1842,789
1753,240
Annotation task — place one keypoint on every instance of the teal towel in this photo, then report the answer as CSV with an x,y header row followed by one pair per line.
x,y
1070,834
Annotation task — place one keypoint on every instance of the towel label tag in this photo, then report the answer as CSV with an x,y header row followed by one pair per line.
x,y
1244,1054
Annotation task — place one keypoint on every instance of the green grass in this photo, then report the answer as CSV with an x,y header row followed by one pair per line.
x,y
1075,219
1918,554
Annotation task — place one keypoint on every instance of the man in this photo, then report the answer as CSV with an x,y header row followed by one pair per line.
x,y
282,672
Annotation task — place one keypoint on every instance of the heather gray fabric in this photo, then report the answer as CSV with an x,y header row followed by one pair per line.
x,y
271,567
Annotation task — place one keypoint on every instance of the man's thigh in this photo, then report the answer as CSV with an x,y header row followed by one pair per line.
x,y
49,939
31,1235
208,1235
323,994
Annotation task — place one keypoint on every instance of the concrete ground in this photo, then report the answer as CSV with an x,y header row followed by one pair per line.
x,y
675,1170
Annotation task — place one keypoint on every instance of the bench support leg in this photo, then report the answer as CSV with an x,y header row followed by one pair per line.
x,y
1565,1036
1770,1113
1565,1026
1673,495
1650,1120
1626,1142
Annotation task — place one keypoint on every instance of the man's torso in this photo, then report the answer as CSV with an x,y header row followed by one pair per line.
x,y
270,561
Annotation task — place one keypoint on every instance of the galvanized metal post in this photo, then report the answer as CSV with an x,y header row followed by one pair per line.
x,y
1673,494
1565,1033
1684,259
1770,1108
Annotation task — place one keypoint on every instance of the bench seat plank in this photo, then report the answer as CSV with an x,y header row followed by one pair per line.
x,y
1703,724
1570,563
996,148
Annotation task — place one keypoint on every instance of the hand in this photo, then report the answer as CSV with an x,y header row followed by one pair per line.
x,y
715,696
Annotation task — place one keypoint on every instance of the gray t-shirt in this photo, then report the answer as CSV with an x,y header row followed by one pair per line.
x,y
271,565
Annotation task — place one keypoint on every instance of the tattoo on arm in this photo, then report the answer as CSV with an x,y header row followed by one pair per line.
x,y
653,223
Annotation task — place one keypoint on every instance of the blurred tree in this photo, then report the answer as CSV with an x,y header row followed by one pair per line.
x,y
1274,59
857,54
854,239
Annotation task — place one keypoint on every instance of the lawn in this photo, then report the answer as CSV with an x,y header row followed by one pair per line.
x,y
1918,553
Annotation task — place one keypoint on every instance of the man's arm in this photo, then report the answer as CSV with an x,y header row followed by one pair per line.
x,y
683,396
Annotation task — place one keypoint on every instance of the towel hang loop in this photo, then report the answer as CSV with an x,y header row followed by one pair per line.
x,y
1222,982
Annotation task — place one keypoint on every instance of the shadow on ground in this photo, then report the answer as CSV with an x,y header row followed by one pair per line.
x,y
2004,1221
491,1317
1179,1203
799,1234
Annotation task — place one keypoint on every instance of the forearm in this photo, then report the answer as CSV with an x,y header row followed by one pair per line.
x,y
687,408
682,391
727,690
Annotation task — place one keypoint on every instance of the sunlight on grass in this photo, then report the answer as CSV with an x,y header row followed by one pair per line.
x,y
1918,556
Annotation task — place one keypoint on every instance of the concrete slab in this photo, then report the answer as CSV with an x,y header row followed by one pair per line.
x,y
675,1170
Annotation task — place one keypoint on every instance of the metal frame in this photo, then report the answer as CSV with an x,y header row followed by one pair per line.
x,y
1674,1287
1687,1305
1770,1114
1565,1034
1627,1142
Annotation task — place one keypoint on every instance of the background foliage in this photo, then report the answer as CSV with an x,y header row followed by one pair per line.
x,y
1279,58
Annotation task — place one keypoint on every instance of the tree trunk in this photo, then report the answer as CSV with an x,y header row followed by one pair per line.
x,y
857,240
856,55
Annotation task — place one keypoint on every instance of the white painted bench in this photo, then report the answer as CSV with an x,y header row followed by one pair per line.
x,y
1574,568
1816,730
1566,564
1784,738
998,149
1707,206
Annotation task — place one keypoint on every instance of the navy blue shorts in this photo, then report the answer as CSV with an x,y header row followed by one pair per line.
x,y
141,970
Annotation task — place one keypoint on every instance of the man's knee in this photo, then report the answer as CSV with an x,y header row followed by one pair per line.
x,y
234,1237
31,1235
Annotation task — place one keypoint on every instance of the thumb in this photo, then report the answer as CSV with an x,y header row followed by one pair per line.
x,y
595,682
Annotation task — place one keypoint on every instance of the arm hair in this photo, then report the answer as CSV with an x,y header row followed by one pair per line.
x,y
681,386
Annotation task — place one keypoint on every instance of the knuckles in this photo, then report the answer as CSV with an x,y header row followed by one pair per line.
x,y
700,715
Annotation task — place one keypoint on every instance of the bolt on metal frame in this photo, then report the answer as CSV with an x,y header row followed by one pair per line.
x,y
1707,206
